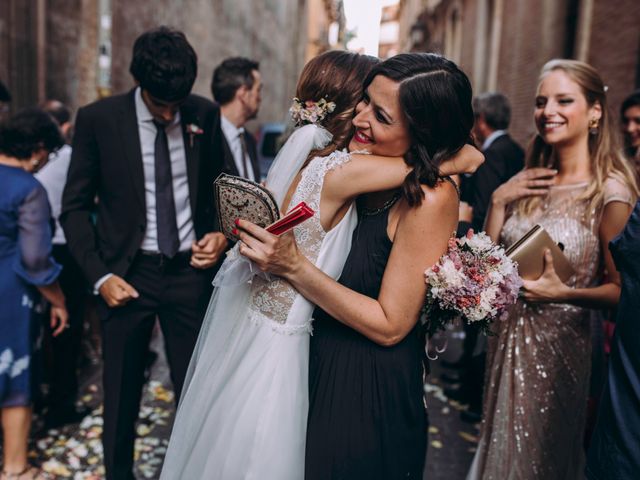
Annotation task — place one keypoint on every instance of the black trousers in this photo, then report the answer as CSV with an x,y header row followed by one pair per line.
x,y
177,295
65,348
472,371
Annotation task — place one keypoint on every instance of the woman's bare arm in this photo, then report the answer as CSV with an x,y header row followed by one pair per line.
x,y
373,173
421,238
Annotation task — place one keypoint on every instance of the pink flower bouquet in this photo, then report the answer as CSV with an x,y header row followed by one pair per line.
x,y
474,281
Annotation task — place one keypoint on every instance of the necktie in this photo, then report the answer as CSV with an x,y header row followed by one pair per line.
x,y
168,241
245,164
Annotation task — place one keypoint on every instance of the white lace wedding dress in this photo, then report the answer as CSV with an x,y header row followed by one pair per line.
x,y
243,412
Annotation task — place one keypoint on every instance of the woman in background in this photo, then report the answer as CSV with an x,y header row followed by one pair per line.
x,y
27,271
579,188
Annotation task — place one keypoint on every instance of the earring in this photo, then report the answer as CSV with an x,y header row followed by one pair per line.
x,y
593,126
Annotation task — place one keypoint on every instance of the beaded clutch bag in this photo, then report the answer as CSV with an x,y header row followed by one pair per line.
x,y
237,197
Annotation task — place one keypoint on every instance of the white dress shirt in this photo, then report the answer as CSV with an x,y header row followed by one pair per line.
x,y
232,135
492,138
184,220
53,178
147,132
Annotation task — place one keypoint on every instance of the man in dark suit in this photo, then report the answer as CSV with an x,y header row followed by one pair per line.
x,y
150,157
503,159
236,85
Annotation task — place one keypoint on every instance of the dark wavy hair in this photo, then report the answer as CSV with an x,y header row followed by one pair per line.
x,y
230,75
164,64
435,96
27,132
337,76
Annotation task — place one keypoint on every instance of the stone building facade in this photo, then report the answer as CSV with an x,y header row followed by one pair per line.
x,y
78,50
502,44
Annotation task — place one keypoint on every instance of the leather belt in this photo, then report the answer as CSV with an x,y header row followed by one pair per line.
x,y
179,259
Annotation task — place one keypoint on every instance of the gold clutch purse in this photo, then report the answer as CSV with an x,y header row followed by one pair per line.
x,y
238,197
528,252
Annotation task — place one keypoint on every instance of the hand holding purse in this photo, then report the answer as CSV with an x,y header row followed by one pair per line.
x,y
237,197
529,250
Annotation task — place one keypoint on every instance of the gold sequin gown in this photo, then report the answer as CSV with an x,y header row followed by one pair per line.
x,y
538,365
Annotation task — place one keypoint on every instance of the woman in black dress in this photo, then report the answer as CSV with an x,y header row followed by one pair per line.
x,y
367,418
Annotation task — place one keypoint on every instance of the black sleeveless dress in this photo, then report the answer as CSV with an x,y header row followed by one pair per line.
x,y
367,418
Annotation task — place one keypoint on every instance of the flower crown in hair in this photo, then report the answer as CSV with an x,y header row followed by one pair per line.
x,y
310,112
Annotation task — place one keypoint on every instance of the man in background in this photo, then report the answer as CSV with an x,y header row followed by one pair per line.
x,y
503,156
503,159
65,348
150,156
236,86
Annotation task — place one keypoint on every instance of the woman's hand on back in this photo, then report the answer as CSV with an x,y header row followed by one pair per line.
x,y
529,182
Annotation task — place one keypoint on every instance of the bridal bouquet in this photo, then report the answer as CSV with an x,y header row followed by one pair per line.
x,y
474,280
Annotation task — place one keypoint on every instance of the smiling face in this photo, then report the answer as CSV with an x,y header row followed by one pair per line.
x,y
381,127
562,114
631,125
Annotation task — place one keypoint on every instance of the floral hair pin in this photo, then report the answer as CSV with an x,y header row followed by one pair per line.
x,y
310,112
193,130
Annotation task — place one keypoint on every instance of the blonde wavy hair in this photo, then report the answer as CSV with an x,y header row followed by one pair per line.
x,y
607,159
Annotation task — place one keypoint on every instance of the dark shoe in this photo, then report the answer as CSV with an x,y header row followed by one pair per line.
x,y
59,418
470,416
450,377
454,365
456,394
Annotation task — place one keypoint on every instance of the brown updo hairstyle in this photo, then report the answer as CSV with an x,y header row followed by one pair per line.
x,y
337,76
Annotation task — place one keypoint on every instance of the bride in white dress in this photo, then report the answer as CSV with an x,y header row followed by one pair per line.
x,y
243,410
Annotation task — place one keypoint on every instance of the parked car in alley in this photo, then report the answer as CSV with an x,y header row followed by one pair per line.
x,y
268,145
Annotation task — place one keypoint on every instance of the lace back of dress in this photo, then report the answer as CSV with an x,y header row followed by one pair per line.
x,y
272,300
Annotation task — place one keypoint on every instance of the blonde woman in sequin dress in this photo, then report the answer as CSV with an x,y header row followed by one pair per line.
x,y
538,365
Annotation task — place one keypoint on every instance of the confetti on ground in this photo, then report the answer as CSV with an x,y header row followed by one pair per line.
x,y
468,437
457,405
436,444
75,451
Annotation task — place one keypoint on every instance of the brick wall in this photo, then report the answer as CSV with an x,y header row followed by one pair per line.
x,y
535,31
615,47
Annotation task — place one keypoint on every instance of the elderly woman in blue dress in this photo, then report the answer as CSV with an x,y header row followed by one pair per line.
x,y
27,273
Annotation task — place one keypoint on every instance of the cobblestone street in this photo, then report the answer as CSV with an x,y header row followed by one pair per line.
x,y
75,451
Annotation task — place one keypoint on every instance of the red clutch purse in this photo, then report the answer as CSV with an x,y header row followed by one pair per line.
x,y
295,216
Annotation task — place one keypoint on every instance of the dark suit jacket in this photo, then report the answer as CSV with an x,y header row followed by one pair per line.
x,y
230,164
107,162
502,160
